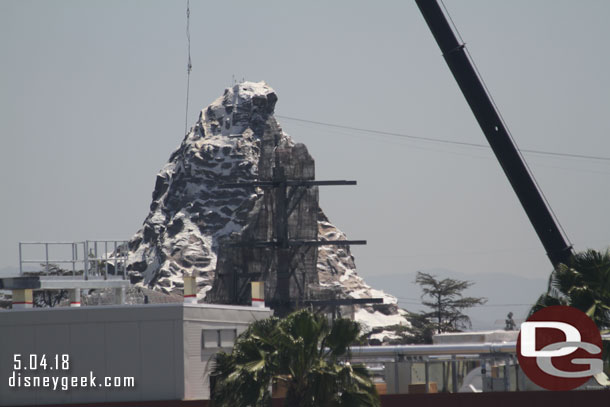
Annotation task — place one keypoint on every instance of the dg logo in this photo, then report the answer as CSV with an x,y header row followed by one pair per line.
x,y
559,348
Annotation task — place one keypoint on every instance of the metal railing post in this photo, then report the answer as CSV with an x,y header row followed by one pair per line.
x,y
73,259
20,261
86,259
125,258
46,256
507,374
97,266
116,271
516,365
105,260
454,375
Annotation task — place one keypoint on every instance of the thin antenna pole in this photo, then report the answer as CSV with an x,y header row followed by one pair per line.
x,y
189,66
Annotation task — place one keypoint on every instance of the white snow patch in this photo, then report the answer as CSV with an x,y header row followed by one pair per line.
x,y
249,89
385,334
370,320
203,292
358,293
345,275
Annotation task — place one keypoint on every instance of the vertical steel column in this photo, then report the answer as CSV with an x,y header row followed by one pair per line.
x,y
517,388
396,375
454,375
427,374
507,375
281,235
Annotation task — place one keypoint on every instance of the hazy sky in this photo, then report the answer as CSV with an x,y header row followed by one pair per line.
x,y
92,104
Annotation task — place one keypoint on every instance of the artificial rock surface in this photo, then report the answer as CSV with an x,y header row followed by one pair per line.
x,y
237,139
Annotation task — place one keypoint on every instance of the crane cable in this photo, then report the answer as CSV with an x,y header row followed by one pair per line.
x,y
189,66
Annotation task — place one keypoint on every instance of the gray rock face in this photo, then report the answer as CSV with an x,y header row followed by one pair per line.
x,y
237,139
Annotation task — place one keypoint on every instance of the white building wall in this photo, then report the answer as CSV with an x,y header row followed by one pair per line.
x,y
196,358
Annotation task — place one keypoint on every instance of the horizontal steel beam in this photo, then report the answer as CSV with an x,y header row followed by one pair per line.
x,y
296,243
289,183
326,242
19,283
344,301
446,349
323,303
60,283
66,243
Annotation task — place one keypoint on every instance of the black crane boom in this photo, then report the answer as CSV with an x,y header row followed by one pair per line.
x,y
506,152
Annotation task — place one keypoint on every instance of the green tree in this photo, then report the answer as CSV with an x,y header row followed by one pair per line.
x,y
583,283
445,299
421,329
301,352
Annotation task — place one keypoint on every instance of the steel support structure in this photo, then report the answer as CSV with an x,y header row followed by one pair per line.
x,y
285,202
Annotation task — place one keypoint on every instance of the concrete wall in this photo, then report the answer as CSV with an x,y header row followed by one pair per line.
x,y
158,344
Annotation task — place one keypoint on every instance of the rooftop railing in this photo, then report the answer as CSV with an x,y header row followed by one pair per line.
x,y
89,258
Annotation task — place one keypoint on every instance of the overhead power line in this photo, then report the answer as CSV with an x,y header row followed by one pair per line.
x,y
443,141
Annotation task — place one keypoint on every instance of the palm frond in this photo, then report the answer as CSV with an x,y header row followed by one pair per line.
x,y
291,351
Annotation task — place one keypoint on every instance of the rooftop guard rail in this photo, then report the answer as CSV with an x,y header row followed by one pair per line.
x,y
449,367
86,258
359,352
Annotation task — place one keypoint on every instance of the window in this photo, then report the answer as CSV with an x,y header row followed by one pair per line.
x,y
227,338
218,338
210,339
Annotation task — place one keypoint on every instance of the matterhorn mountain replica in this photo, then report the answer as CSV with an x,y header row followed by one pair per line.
x,y
206,221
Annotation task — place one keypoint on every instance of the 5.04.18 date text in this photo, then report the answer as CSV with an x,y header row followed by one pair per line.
x,y
41,362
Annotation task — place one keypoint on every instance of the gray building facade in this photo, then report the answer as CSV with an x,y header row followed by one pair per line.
x,y
164,348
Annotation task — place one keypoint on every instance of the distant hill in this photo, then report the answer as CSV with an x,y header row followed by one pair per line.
x,y
499,288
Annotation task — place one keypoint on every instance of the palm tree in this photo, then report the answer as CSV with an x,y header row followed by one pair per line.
x,y
583,283
304,354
